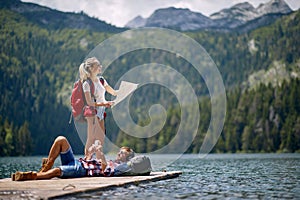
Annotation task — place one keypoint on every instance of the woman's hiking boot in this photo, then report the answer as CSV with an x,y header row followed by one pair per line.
x,y
23,176
46,165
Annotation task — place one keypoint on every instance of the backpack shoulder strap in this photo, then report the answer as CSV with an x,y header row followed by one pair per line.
x,y
92,86
83,95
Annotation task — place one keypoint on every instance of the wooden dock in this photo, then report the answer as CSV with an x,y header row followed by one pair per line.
x,y
56,187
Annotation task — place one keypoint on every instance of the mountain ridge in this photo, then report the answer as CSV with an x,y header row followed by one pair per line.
x,y
54,19
228,19
196,20
239,18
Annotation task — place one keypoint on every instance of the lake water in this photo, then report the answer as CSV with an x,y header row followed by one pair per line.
x,y
217,176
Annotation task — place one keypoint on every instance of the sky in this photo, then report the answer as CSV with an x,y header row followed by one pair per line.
x,y
120,12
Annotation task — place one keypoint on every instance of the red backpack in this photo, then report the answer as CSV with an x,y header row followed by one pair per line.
x,y
78,100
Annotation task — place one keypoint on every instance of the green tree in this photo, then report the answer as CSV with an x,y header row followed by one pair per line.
x,y
24,142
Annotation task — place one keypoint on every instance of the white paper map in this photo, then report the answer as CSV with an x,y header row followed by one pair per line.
x,y
125,89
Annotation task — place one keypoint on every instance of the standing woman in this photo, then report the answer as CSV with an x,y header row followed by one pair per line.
x,y
96,131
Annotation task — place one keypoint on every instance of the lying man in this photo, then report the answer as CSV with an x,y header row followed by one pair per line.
x,y
70,167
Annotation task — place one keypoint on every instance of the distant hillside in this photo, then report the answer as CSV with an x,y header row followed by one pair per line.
x,y
240,17
54,19
38,66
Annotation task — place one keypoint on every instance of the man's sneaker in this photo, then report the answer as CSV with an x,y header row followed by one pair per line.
x,y
23,176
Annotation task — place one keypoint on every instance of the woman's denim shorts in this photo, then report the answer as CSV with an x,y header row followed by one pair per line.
x,y
100,112
71,168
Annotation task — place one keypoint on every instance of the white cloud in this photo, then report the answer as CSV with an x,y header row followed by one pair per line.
x,y
119,12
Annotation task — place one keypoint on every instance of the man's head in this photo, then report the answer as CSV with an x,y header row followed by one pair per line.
x,y
125,154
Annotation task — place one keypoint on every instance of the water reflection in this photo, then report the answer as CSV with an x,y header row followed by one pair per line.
x,y
250,176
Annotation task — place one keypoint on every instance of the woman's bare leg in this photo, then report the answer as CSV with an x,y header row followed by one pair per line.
x,y
95,132
100,135
90,136
100,131
101,122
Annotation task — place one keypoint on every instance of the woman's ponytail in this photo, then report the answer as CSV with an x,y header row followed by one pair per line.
x,y
83,73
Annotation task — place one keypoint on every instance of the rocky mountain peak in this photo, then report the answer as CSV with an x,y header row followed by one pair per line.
x,y
178,18
244,6
227,19
137,22
274,6
242,12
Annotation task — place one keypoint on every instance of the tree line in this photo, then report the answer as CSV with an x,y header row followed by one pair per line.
x,y
40,65
265,119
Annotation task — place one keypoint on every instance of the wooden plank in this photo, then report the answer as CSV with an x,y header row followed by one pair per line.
x,y
56,187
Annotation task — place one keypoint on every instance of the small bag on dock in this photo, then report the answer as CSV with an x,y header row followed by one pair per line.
x,y
138,165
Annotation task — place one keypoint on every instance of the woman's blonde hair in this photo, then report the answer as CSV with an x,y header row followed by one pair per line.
x,y
85,67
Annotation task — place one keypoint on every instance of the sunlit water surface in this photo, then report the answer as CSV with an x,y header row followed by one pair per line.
x,y
217,176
